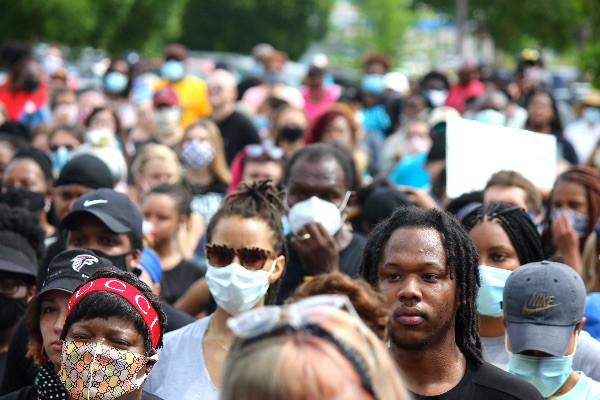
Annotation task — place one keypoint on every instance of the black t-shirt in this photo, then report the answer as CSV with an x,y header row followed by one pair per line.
x,y
22,371
237,131
350,258
176,281
489,383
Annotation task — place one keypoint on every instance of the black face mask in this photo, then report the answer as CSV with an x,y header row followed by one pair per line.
x,y
11,310
119,261
291,134
31,84
19,197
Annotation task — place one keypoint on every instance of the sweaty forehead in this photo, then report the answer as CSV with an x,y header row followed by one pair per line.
x,y
325,172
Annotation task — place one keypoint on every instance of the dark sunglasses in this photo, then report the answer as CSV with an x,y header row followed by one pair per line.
x,y
220,255
55,148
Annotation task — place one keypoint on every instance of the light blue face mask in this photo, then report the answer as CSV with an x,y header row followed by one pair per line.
x,y
172,70
591,114
547,374
489,296
59,158
491,117
115,82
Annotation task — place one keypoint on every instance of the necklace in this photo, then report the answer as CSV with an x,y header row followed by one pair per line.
x,y
212,328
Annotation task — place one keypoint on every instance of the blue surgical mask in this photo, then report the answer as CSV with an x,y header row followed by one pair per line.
x,y
489,296
591,114
547,374
491,117
172,70
578,220
59,158
273,76
115,82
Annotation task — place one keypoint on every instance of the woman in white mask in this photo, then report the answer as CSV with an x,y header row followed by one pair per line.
x,y
245,255
202,155
506,238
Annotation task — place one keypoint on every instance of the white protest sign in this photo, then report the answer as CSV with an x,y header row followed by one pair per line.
x,y
474,151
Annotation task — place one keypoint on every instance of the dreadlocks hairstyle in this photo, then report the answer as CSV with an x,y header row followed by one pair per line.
x,y
461,260
516,223
587,177
259,200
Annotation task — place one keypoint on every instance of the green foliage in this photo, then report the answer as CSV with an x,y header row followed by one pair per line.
x,y
590,26
387,20
238,25
515,24
113,25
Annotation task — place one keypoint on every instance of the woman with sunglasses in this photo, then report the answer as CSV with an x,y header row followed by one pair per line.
x,y
308,350
245,259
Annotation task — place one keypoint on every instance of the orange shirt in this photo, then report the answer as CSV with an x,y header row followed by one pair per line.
x,y
192,93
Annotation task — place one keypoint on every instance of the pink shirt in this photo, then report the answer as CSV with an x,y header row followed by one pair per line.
x,y
313,110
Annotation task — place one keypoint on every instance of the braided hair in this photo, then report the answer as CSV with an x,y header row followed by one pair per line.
x,y
461,259
587,177
516,223
259,200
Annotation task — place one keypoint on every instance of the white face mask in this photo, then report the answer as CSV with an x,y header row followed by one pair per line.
x,y
317,210
237,289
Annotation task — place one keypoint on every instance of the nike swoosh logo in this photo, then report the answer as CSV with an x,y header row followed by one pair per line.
x,y
529,311
88,203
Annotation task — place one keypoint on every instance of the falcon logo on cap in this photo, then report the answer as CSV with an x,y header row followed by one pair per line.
x,y
81,260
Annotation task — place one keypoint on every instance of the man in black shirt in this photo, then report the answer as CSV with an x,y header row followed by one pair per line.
x,y
236,129
319,180
426,266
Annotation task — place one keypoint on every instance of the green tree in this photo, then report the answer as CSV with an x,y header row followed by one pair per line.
x,y
113,25
385,24
514,24
238,25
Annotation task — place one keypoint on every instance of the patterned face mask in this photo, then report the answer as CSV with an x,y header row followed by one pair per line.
x,y
94,371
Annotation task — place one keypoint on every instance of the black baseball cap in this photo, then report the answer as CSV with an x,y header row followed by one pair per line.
x,y
66,272
14,261
86,170
114,209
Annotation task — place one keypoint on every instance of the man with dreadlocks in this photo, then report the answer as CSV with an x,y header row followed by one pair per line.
x,y
425,264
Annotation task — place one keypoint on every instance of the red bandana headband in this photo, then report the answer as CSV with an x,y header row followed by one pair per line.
x,y
129,293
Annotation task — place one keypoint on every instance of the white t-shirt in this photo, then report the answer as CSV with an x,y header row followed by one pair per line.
x,y
180,373
587,356
585,388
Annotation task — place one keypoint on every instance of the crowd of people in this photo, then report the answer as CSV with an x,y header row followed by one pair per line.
x,y
171,236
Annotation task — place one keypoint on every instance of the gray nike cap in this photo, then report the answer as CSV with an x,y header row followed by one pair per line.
x,y
543,302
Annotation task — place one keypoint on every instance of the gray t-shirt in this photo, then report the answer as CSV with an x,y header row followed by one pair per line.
x,y
587,355
180,373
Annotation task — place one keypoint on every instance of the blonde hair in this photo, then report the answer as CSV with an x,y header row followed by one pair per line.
x,y
218,166
300,366
154,151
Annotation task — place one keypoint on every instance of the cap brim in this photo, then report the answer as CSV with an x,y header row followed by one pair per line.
x,y
32,317
106,219
18,268
550,339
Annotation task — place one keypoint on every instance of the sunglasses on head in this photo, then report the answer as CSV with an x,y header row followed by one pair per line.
x,y
258,150
220,255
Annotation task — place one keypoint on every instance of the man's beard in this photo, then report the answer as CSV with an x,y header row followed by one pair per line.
x,y
425,342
